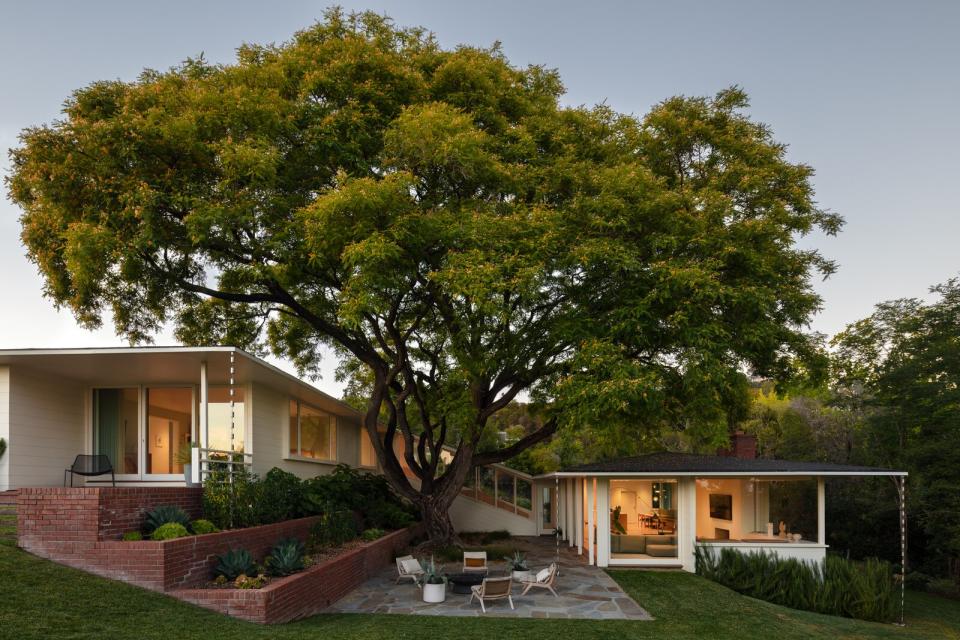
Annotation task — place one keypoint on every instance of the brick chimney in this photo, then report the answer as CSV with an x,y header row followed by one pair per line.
x,y
742,445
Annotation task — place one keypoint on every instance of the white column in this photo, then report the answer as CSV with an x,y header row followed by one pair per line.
x,y
821,511
603,522
571,509
578,498
687,523
204,432
591,518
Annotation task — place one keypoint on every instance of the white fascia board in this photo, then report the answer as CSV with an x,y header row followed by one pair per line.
x,y
714,474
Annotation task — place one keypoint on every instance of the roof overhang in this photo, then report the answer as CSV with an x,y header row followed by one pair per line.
x,y
716,474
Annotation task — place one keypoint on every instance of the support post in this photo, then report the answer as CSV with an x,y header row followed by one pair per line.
x,y
196,470
821,511
578,502
571,512
603,522
591,519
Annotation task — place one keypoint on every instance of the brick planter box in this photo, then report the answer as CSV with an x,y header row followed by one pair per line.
x,y
305,593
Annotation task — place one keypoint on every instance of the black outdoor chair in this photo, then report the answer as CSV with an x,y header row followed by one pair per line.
x,y
96,465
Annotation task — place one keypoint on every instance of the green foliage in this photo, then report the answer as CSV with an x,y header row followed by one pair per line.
x,y
286,557
235,563
904,363
201,527
132,536
169,531
185,453
840,587
280,496
441,217
432,572
517,561
334,528
250,582
233,503
3,447
165,514
368,495
369,535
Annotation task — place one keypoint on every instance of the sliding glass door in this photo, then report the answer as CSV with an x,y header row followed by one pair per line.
x,y
116,429
142,429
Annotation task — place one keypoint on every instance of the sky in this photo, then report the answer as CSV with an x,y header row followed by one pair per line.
x,y
867,93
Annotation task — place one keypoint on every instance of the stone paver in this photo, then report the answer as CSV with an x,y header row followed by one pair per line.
x,y
585,592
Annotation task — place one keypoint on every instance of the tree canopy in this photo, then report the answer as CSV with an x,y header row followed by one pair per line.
x,y
446,223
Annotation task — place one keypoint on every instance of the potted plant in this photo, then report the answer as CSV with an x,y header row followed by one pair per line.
x,y
433,583
185,457
518,566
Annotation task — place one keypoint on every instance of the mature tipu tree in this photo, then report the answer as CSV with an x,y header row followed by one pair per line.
x,y
444,222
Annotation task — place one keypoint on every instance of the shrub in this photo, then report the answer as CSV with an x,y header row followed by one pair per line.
x,y
366,494
165,514
280,496
244,581
235,563
285,558
169,531
132,536
232,503
369,535
334,529
201,527
838,586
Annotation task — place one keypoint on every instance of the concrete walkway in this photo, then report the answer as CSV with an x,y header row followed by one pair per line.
x,y
585,592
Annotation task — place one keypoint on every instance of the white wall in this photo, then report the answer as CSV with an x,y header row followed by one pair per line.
x,y
270,440
46,428
807,552
471,515
5,426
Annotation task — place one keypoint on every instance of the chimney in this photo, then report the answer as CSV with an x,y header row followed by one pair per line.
x,y
742,445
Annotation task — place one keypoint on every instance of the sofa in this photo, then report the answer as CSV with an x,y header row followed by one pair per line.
x,y
658,546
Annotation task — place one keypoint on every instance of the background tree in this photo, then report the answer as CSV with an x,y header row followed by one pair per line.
x,y
448,226
906,357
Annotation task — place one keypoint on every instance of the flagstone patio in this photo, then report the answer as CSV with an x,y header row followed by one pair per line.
x,y
585,592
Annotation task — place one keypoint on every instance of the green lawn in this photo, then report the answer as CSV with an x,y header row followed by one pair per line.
x,y
39,599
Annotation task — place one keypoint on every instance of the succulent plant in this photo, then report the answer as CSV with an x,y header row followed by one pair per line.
x,y
286,557
517,562
165,514
200,527
432,573
235,563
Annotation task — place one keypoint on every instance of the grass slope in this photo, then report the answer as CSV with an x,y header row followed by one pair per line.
x,y
39,599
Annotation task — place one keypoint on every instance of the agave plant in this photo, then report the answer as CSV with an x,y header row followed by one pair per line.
x,y
432,573
517,562
235,563
165,514
286,557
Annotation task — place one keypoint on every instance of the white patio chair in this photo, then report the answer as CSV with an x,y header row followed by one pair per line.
x,y
543,580
492,589
474,561
408,568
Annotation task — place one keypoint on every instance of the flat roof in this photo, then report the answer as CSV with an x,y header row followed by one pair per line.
x,y
692,464
116,366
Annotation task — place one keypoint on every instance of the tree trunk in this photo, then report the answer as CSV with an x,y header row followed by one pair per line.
x,y
435,515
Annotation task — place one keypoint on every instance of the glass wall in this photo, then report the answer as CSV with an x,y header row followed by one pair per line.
x,y
219,421
169,425
116,427
754,510
312,432
643,519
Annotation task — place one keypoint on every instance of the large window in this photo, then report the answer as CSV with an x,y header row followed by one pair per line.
x,y
368,457
312,432
219,420
116,427
169,424
643,519
756,510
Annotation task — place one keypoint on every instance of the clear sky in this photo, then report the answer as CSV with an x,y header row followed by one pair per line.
x,y
867,92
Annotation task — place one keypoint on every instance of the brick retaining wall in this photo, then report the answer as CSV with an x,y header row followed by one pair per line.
x,y
65,514
305,593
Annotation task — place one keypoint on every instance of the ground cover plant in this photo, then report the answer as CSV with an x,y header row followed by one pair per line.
x,y
840,587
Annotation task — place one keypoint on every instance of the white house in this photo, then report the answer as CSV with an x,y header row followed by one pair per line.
x,y
140,406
